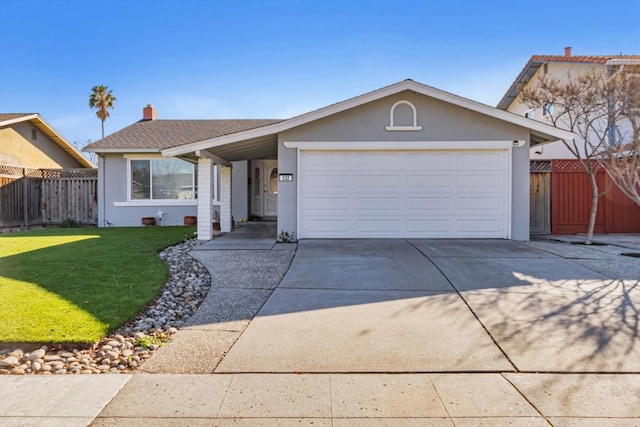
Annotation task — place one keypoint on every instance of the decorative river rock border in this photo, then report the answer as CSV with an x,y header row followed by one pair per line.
x,y
128,347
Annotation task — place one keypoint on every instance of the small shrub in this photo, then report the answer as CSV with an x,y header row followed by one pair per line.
x,y
70,223
287,237
149,340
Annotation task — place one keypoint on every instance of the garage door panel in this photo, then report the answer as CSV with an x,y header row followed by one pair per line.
x,y
376,162
327,162
437,194
324,181
480,160
324,203
429,161
328,225
382,225
472,204
478,226
429,180
427,205
491,181
377,181
433,225
369,204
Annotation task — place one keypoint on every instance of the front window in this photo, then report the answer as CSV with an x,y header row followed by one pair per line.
x,y
162,179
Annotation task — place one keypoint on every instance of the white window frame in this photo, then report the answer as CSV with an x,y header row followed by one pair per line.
x,y
530,114
164,202
547,112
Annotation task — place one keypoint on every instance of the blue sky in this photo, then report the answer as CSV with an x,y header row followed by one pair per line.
x,y
275,59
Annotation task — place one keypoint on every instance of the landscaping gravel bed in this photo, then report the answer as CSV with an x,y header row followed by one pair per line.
x,y
128,347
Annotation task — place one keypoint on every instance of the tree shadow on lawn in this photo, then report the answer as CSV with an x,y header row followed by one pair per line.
x,y
79,284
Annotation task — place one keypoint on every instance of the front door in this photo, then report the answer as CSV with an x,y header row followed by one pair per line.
x,y
270,188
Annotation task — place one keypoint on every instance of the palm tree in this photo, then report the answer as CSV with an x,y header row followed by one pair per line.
x,y
101,99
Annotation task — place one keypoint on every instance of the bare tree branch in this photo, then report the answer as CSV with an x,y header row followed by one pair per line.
x,y
621,159
580,105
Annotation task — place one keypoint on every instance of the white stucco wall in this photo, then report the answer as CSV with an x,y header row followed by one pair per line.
x,y
562,71
440,121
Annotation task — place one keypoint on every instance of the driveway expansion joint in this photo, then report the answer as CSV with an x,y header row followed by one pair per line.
x,y
504,353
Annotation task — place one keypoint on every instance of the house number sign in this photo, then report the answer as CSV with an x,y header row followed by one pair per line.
x,y
285,177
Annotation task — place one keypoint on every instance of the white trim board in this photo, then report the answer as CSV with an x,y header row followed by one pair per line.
x,y
403,145
167,202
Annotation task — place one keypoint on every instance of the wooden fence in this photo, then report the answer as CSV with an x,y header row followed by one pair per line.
x,y
47,196
540,197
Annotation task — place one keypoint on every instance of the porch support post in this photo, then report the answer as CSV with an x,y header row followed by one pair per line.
x,y
205,210
225,198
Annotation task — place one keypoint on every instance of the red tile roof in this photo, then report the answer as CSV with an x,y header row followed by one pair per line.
x,y
536,60
592,59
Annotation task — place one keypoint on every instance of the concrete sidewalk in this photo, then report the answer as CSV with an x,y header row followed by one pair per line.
x,y
250,235
323,400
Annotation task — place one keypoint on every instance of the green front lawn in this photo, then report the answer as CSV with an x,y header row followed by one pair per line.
x,y
78,284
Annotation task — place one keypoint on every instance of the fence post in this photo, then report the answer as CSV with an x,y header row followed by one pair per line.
x,y
25,198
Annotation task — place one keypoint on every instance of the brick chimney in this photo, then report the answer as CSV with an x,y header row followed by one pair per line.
x,y
149,112
567,51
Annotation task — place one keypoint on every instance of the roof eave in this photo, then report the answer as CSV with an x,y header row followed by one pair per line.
x,y
542,129
18,119
99,150
524,77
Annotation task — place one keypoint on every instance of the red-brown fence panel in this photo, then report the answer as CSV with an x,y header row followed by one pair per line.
x,y
571,202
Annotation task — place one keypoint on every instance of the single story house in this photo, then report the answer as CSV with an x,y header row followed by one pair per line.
x,y
28,141
406,160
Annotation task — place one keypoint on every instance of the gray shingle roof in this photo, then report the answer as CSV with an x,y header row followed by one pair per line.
x,y
11,116
161,134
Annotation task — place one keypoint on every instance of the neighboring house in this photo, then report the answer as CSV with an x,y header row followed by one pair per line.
x,y
406,160
560,189
559,67
27,140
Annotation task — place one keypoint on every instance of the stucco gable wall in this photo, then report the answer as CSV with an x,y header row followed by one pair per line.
x,y
17,148
562,71
557,70
440,121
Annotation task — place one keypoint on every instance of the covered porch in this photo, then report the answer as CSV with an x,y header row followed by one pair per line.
x,y
254,191
249,236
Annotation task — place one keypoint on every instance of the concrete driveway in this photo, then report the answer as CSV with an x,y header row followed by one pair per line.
x,y
442,306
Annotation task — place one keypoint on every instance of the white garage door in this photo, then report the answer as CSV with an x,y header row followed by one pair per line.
x,y
431,194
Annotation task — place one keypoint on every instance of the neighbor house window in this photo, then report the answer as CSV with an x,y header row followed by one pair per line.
x,y
529,114
547,110
162,179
